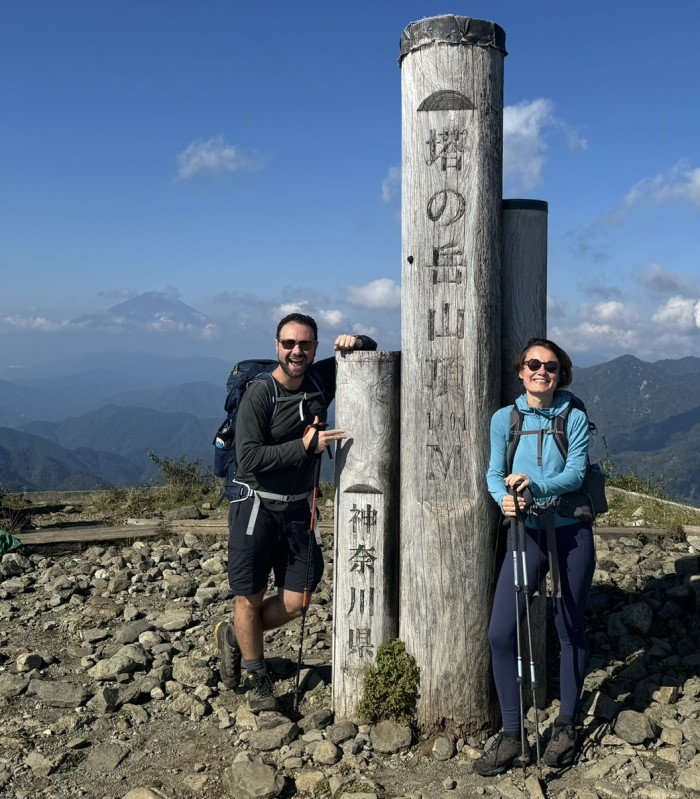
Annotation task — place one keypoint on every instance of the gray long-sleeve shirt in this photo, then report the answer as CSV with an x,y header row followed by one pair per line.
x,y
269,430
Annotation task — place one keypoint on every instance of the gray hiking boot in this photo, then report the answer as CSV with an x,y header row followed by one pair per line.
x,y
261,692
562,747
229,654
503,753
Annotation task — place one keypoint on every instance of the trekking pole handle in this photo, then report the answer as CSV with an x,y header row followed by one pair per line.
x,y
513,491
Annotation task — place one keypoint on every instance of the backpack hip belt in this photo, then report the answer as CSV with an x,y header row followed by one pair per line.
x,y
280,497
250,493
256,496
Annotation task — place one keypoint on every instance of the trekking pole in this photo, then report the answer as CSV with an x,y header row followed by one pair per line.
x,y
522,548
307,593
517,561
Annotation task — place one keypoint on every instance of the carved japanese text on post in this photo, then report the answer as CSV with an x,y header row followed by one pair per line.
x,y
448,146
446,263
448,323
363,517
444,462
360,642
446,207
362,558
365,597
443,374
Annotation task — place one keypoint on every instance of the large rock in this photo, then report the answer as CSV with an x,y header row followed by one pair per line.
x,y
105,757
633,727
130,634
245,780
192,671
58,694
638,617
268,739
12,685
326,753
127,660
389,737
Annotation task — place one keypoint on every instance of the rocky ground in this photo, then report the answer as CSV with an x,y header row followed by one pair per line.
x,y
108,686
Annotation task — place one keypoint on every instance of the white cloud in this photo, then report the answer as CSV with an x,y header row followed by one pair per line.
x,y
595,337
679,313
615,312
15,322
290,307
214,157
525,128
523,141
334,318
663,281
381,293
681,183
391,185
367,330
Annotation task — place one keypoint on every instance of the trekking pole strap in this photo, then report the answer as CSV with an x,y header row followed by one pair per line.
x,y
552,551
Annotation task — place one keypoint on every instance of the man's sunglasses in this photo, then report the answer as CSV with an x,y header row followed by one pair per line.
x,y
289,343
549,366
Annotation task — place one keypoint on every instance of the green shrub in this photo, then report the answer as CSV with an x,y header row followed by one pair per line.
x,y
391,686
185,482
117,504
653,486
12,515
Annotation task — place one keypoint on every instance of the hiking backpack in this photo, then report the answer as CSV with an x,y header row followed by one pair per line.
x,y
589,500
242,375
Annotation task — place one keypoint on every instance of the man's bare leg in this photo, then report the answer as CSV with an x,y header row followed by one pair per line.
x,y
253,615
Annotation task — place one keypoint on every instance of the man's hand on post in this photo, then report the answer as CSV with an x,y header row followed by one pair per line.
x,y
316,439
347,342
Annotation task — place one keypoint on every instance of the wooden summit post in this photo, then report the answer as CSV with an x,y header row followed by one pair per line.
x,y
365,595
524,316
452,131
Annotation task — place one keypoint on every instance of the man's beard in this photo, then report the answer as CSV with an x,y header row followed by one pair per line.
x,y
300,369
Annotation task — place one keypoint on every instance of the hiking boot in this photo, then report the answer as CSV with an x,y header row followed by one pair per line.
x,y
229,654
504,752
562,747
261,693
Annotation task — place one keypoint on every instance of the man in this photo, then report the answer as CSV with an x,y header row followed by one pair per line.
x,y
280,435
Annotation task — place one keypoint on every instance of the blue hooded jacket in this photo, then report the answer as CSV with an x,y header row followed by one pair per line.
x,y
554,476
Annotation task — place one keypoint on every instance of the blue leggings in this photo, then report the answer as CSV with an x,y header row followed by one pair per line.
x,y
576,558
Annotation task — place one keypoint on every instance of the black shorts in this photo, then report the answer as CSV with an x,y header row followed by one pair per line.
x,y
278,542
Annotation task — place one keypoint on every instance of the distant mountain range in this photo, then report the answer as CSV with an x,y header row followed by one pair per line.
x,y
648,418
84,424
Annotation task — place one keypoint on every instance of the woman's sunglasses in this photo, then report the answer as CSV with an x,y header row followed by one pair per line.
x,y
549,366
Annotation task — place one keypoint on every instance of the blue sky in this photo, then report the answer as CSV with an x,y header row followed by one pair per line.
x,y
245,158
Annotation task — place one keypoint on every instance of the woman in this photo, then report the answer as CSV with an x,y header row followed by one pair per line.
x,y
540,474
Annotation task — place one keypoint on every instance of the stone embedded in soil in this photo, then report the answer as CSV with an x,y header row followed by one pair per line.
x,y
389,737
244,780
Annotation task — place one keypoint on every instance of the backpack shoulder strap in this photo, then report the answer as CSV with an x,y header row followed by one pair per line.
x,y
561,437
319,387
273,393
514,430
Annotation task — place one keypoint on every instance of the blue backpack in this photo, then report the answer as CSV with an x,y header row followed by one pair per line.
x,y
242,375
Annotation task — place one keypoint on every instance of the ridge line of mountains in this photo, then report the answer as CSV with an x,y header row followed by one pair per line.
x,y
73,426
